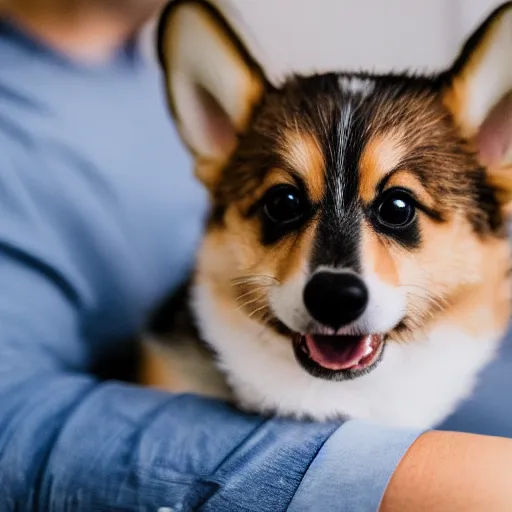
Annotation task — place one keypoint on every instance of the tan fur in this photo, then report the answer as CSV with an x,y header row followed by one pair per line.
x,y
236,289
182,368
378,255
500,178
155,371
405,179
380,156
303,153
454,277
294,260
455,99
208,171
487,302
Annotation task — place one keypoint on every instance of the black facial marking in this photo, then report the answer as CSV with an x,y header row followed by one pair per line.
x,y
338,235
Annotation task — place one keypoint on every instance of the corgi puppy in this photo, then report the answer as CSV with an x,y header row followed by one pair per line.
x,y
355,262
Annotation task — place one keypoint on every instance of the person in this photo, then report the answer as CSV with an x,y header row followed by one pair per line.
x,y
99,218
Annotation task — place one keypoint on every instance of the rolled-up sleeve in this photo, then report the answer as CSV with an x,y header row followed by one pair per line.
x,y
353,468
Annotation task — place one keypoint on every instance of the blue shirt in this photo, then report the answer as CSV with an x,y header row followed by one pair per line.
x,y
99,219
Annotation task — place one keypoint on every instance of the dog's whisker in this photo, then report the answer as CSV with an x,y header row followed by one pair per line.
x,y
254,312
260,289
253,301
253,277
439,302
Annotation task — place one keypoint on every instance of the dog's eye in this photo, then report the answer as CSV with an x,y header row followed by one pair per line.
x,y
397,209
283,204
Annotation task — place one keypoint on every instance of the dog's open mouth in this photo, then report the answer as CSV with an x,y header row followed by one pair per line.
x,y
338,357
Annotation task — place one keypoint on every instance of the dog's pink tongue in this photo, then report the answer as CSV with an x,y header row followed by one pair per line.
x,y
338,352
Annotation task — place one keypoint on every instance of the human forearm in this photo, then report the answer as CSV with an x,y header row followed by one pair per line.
x,y
451,472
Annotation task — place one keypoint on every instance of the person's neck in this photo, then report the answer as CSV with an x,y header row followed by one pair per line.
x,y
85,31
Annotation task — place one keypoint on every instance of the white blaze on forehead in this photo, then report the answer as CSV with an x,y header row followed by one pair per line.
x,y
356,85
344,127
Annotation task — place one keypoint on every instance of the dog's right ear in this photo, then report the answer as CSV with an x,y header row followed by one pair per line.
x,y
479,88
478,92
213,83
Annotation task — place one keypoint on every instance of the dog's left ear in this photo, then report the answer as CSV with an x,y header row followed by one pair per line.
x,y
478,92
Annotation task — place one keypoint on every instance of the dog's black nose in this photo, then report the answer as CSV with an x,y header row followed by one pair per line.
x,y
335,298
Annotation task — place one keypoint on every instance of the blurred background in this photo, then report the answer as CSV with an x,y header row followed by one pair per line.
x,y
379,35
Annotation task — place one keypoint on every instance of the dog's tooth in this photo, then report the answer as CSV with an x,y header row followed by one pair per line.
x,y
369,348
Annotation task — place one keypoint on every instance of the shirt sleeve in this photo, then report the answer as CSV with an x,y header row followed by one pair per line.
x,y
69,442
358,460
